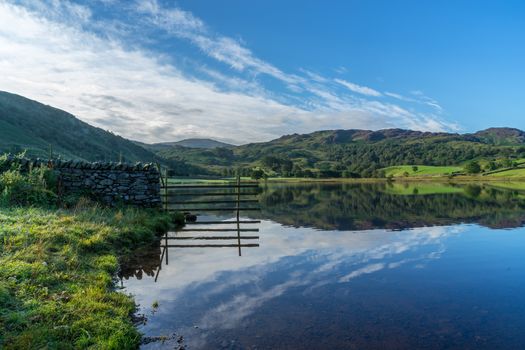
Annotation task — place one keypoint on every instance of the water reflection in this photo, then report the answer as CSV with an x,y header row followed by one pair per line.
x,y
392,206
309,286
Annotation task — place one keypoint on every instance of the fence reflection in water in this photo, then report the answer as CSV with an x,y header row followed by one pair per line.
x,y
187,198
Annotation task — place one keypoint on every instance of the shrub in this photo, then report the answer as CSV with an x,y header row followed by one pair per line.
x,y
10,162
473,167
31,188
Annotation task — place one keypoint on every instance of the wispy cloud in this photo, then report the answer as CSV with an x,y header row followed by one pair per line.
x,y
358,88
421,97
224,49
398,96
110,72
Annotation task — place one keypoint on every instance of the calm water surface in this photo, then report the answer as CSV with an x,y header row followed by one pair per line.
x,y
348,267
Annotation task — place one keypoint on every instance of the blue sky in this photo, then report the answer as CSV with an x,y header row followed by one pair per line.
x,y
243,71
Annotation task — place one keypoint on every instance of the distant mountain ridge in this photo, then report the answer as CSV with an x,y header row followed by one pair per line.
x,y
196,143
502,136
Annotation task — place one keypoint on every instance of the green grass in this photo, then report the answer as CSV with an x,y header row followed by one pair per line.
x,y
520,172
421,188
57,276
422,170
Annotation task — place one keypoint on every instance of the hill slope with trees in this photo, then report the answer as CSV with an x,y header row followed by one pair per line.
x,y
41,130
360,153
29,125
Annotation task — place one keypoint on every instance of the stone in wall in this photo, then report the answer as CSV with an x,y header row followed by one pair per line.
x,y
113,183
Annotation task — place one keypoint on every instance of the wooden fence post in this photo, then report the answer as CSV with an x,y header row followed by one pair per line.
x,y
166,189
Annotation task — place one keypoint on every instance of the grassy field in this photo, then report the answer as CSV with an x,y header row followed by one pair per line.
x,y
422,170
520,172
57,276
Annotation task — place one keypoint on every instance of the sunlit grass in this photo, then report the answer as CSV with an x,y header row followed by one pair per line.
x,y
520,172
57,276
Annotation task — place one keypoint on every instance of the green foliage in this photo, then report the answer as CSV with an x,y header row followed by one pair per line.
x,y
56,280
359,153
258,174
32,188
43,130
178,219
46,132
491,166
473,167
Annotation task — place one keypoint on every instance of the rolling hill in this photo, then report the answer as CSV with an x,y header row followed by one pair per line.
x,y
35,127
29,125
359,153
38,129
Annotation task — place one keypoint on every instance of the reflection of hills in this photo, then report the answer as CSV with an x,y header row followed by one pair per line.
x,y
369,206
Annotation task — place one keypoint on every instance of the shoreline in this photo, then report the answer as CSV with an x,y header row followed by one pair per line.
x,y
441,179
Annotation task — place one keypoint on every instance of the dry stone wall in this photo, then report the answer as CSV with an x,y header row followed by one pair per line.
x,y
112,183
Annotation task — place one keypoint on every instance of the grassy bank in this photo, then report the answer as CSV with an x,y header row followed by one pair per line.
x,y
57,276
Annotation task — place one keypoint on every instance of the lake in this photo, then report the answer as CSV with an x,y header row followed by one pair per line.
x,y
347,266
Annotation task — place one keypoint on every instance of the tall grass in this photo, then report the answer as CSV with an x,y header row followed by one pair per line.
x,y
34,186
58,265
57,276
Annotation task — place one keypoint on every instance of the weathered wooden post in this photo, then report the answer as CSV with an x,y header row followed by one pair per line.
x,y
238,209
166,189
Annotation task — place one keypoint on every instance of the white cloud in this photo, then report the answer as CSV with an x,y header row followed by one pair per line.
x,y
174,19
398,96
429,101
358,88
341,70
54,52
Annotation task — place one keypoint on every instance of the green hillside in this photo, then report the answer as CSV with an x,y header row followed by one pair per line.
x,y
32,126
361,153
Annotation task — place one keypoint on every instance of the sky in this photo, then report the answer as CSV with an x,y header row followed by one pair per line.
x,y
248,71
